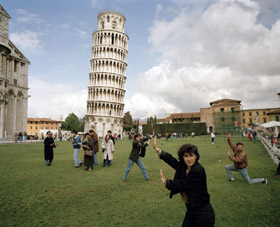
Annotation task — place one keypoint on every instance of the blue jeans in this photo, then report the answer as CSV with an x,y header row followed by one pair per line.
x,y
95,158
243,173
77,161
141,166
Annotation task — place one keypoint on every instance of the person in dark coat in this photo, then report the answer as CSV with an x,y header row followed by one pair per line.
x,y
48,151
87,145
137,145
190,182
94,141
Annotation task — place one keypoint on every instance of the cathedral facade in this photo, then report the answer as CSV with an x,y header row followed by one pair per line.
x,y
13,83
107,77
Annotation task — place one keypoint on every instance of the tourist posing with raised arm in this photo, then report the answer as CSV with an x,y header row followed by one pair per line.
x,y
137,145
240,161
48,151
190,181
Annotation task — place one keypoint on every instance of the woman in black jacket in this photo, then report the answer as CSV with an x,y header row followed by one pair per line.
x,y
190,182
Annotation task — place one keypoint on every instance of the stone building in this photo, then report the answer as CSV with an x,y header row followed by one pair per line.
x,y
107,75
13,83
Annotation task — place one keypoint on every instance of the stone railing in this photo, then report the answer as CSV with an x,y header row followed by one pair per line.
x,y
273,151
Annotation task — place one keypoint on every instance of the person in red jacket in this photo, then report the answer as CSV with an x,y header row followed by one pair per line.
x,y
250,136
240,161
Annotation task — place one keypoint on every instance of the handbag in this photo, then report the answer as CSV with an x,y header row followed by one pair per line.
x,y
89,153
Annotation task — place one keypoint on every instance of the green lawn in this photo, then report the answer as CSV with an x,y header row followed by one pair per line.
x,y
60,195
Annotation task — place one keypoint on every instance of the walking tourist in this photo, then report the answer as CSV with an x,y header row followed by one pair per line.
x,y
137,145
193,134
108,146
48,150
240,161
212,137
190,182
166,136
254,135
88,155
250,136
76,140
94,141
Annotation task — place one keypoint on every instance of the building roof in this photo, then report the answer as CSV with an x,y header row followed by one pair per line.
x,y
142,122
161,120
183,115
42,119
274,112
263,109
225,102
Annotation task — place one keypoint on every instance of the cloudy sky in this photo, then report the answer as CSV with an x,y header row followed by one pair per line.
x,y
182,54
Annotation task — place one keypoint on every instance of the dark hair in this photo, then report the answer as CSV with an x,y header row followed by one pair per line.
x,y
90,131
75,131
239,143
136,135
188,148
109,131
87,134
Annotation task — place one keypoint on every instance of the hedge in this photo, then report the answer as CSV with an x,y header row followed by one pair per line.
x,y
185,128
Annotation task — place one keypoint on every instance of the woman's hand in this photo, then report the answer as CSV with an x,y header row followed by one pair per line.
x,y
228,153
162,177
156,148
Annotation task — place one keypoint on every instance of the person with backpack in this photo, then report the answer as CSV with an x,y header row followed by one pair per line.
x,y
137,146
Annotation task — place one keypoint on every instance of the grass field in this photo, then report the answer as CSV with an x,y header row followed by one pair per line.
x,y
60,195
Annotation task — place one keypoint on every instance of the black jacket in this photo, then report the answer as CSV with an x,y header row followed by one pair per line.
x,y
48,151
136,146
193,184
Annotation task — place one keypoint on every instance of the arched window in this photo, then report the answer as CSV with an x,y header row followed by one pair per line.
x,y
114,24
113,39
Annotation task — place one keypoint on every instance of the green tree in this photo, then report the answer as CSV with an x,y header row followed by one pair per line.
x,y
127,121
71,122
82,124
136,126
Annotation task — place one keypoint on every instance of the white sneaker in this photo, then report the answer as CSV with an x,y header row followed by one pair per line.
x,y
264,181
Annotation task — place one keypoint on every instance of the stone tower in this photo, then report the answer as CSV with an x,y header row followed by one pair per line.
x,y
107,75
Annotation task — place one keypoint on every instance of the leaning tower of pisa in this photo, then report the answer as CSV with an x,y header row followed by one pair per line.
x,y
107,75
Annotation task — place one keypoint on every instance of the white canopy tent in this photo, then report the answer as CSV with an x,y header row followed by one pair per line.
x,y
271,124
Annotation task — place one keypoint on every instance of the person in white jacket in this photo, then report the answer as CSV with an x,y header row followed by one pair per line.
x,y
212,137
108,146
